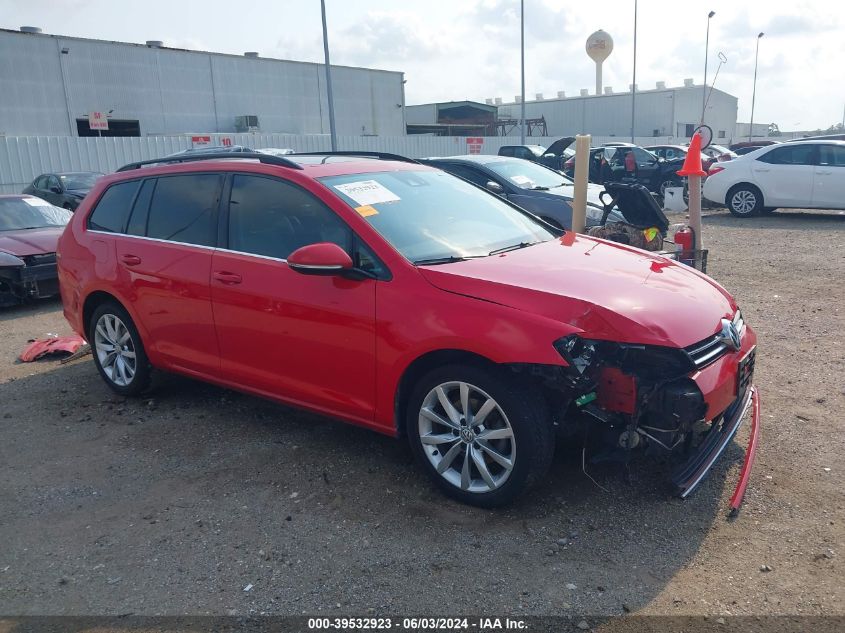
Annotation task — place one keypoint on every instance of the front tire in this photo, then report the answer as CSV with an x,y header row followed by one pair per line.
x,y
482,438
744,201
118,351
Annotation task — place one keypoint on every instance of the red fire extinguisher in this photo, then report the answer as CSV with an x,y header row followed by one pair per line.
x,y
684,240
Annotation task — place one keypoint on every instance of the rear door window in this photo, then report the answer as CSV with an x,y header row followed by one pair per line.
x,y
112,210
184,209
138,220
832,155
506,151
790,155
270,217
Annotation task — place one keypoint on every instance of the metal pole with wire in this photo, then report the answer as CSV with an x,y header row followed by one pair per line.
x,y
332,130
634,82
706,51
522,57
754,90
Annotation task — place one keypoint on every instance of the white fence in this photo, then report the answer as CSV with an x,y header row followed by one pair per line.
x,y
22,158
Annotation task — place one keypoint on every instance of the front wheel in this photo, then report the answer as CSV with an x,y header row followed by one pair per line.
x,y
118,351
744,201
483,440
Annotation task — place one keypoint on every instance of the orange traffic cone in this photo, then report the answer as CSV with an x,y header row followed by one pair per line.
x,y
692,163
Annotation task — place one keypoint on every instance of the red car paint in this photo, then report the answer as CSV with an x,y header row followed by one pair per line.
x,y
340,346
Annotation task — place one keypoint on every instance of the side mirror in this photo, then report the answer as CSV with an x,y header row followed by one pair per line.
x,y
495,187
323,258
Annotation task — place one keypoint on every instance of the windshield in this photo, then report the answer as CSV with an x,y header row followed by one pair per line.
x,y
431,215
79,181
527,175
30,213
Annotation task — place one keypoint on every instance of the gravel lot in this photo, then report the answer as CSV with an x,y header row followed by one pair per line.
x,y
179,502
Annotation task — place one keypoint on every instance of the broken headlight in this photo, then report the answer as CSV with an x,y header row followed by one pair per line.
x,y
578,353
650,362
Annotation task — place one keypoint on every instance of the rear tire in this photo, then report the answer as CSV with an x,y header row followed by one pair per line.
x,y
118,351
744,201
482,438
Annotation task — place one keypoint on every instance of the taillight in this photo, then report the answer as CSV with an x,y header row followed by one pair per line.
x,y
569,164
715,169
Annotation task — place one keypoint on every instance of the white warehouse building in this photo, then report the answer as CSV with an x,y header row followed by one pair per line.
x,y
659,112
50,83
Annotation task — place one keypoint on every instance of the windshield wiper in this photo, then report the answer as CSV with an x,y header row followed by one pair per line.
x,y
540,188
513,247
443,260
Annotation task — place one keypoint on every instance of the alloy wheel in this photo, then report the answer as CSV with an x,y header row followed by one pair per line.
x,y
467,437
744,202
115,350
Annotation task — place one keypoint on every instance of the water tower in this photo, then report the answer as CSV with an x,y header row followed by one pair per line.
x,y
599,47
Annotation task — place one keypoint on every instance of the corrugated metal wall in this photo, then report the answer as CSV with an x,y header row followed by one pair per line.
x,y
48,82
22,158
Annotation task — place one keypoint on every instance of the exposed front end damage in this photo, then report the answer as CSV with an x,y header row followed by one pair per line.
x,y
686,403
27,277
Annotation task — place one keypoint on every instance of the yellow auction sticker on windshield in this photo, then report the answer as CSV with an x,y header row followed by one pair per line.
x,y
366,211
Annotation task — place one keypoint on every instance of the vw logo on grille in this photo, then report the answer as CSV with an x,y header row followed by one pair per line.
x,y
729,335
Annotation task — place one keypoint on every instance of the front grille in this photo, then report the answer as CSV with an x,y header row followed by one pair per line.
x,y
37,260
712,348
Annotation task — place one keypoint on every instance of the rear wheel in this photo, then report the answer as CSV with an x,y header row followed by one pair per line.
x,y
118,351
744,200
482,439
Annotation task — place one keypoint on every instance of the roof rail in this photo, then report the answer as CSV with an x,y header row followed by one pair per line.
x,y
267,159
379,155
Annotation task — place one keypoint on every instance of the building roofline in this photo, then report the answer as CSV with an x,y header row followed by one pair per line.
x,y
188,50
613,94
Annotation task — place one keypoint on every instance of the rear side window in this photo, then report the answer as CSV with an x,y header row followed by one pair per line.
x,y
183,209
138,219
112,210
832,155
792,155
273,218
506,151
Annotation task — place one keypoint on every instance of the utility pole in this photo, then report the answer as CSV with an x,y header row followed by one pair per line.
x,y
706,51
754,90
522,57
332,130
634,82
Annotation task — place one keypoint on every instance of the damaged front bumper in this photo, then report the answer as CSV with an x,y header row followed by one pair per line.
x,y
687,403
688,477
30,277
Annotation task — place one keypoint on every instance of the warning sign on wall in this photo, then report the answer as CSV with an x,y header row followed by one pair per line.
x,y
200,141
474,144
98,121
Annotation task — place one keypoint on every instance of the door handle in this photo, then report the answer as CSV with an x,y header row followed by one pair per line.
x,y
227,278
760,171
130,260
824,173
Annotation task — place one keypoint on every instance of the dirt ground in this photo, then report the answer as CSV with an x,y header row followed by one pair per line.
x,y
196,500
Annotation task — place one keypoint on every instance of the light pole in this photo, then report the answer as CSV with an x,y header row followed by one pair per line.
x,y
706,51
754,90
328,78
634,82
522,58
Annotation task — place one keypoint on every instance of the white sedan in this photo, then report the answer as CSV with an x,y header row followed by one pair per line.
x,y
801,174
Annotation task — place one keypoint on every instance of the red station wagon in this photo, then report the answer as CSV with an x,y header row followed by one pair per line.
x,y
397,297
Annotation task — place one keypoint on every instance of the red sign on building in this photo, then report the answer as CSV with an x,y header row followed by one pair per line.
x,y
474,144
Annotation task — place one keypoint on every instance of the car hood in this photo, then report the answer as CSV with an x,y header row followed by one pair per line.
x,y
600,289
557,148
30,241
81,193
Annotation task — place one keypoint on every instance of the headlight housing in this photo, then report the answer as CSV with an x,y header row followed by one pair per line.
x,y
650,362
7,260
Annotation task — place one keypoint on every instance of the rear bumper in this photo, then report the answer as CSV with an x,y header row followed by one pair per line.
x,y
688,477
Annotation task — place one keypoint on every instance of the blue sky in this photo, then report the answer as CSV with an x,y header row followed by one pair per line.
x,y
469,49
